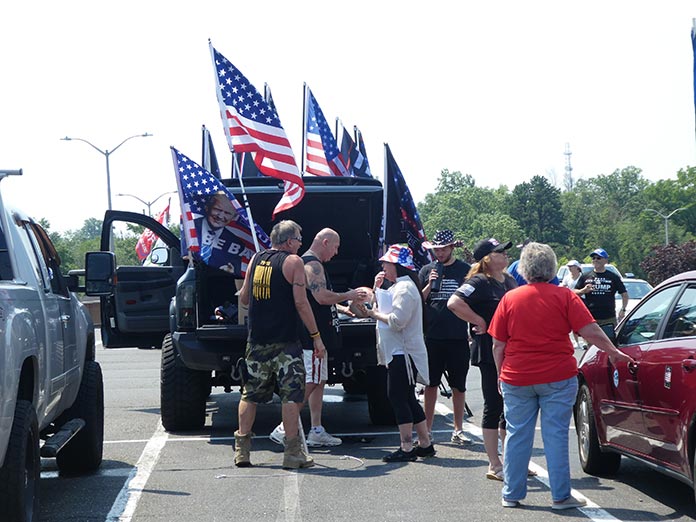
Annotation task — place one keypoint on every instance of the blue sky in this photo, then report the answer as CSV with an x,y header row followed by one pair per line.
x,y
492,89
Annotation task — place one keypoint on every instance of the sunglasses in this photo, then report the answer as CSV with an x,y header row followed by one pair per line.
x,y
595,258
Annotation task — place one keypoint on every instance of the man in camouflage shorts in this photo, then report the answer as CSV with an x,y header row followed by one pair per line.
x,y
264,362
274,289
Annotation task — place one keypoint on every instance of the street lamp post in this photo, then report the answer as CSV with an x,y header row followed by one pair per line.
x,y
666,218
106,153
148,203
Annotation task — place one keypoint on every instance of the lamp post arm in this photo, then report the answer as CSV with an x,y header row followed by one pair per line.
x,y
124,141
104,152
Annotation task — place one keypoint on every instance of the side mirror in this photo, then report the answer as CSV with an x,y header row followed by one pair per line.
x,y
159,256
100,273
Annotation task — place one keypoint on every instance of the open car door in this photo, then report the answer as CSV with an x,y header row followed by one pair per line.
x,y
137,311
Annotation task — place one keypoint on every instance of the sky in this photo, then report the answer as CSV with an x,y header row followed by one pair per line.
x,y
491,89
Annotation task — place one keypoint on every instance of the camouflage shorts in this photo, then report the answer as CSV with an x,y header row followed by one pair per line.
x,y
268,364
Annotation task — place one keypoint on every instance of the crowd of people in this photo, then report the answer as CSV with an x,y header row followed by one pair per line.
x,y
431,324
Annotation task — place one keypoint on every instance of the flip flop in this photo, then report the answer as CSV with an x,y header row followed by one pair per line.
x,y
495,475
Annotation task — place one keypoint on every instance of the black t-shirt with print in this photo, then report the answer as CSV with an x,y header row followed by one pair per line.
x,y
483,294
440,322
601,301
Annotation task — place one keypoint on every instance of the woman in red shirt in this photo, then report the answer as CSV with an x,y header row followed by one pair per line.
x,y
538,372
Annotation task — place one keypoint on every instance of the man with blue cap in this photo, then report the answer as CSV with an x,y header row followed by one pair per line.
x,y
598,289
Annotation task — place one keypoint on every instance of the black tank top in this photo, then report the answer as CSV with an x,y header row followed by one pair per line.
x,y
326,317
272,314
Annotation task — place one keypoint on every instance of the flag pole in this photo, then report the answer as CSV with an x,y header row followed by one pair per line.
x,y
304,126
385,187
693,45
235,166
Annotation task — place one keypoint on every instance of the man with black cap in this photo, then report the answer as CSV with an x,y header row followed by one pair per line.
x,y
446,336
598,289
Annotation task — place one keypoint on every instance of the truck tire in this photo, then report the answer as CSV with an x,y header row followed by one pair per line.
x,y
84,451
378,405
19,475
183,392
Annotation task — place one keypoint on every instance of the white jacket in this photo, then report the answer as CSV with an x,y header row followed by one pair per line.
x,y
405,329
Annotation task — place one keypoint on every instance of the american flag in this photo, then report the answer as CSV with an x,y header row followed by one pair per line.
x,y
355,161
196,185
148,237
252,126
322,156
402,224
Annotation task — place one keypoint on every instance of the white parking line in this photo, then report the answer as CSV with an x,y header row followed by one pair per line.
x,y
591,511
124,506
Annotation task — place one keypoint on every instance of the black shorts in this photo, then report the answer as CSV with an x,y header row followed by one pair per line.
x,y
451,355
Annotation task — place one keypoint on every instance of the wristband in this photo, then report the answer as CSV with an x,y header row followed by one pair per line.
x,y
314,335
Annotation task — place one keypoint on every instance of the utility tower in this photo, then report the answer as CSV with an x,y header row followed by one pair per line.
x,y
568,181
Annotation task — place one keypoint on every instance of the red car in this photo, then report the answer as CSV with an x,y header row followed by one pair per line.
x,y
646,410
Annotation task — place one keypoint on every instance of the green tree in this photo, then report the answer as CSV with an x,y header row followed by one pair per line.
x,y
536,206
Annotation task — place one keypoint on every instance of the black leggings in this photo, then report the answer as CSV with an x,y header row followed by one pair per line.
x,y
492,400
401,393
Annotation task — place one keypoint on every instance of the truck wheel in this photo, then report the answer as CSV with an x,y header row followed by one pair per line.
x,y
84,451
19,475
592,459
183,392
379,407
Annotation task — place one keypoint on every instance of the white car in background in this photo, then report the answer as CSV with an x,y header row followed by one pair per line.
x,y
586,269
636,288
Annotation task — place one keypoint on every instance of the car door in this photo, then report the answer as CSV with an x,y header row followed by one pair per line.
x,y
668,384
137,312
622,411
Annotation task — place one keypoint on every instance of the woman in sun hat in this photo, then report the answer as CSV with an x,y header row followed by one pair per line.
x,y
399,316
475,302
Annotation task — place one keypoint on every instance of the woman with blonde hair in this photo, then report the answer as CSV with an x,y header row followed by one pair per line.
x,y
475,302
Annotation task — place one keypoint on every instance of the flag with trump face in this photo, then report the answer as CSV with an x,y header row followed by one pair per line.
x,y
215,229
402,223
321,151
253,126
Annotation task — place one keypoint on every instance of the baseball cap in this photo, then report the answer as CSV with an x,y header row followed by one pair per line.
x,y
399,255
524,243
599,252
486,246
573,262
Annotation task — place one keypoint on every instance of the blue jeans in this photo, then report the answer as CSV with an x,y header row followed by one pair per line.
x,y
522,405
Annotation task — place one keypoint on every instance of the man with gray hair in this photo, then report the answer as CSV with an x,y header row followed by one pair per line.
x,y
275,291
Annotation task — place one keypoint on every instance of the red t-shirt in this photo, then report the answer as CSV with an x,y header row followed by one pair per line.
x,y
535,321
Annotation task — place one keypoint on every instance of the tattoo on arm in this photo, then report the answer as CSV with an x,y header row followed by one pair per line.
x,y
298,283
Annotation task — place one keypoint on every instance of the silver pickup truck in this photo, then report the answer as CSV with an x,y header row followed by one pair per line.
x,y
51,387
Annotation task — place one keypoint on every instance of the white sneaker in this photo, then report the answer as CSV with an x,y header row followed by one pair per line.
x,y
459,437
278,434
569,503
323,438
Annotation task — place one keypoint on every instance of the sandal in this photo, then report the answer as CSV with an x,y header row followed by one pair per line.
x,y
495,475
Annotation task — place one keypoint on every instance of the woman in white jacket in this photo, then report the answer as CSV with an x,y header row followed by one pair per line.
x,y
400,345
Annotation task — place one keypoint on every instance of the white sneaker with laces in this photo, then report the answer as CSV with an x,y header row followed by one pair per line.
x,y
322,438
278,434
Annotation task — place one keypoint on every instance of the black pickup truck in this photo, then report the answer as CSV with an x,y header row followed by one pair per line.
x,y
172,303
